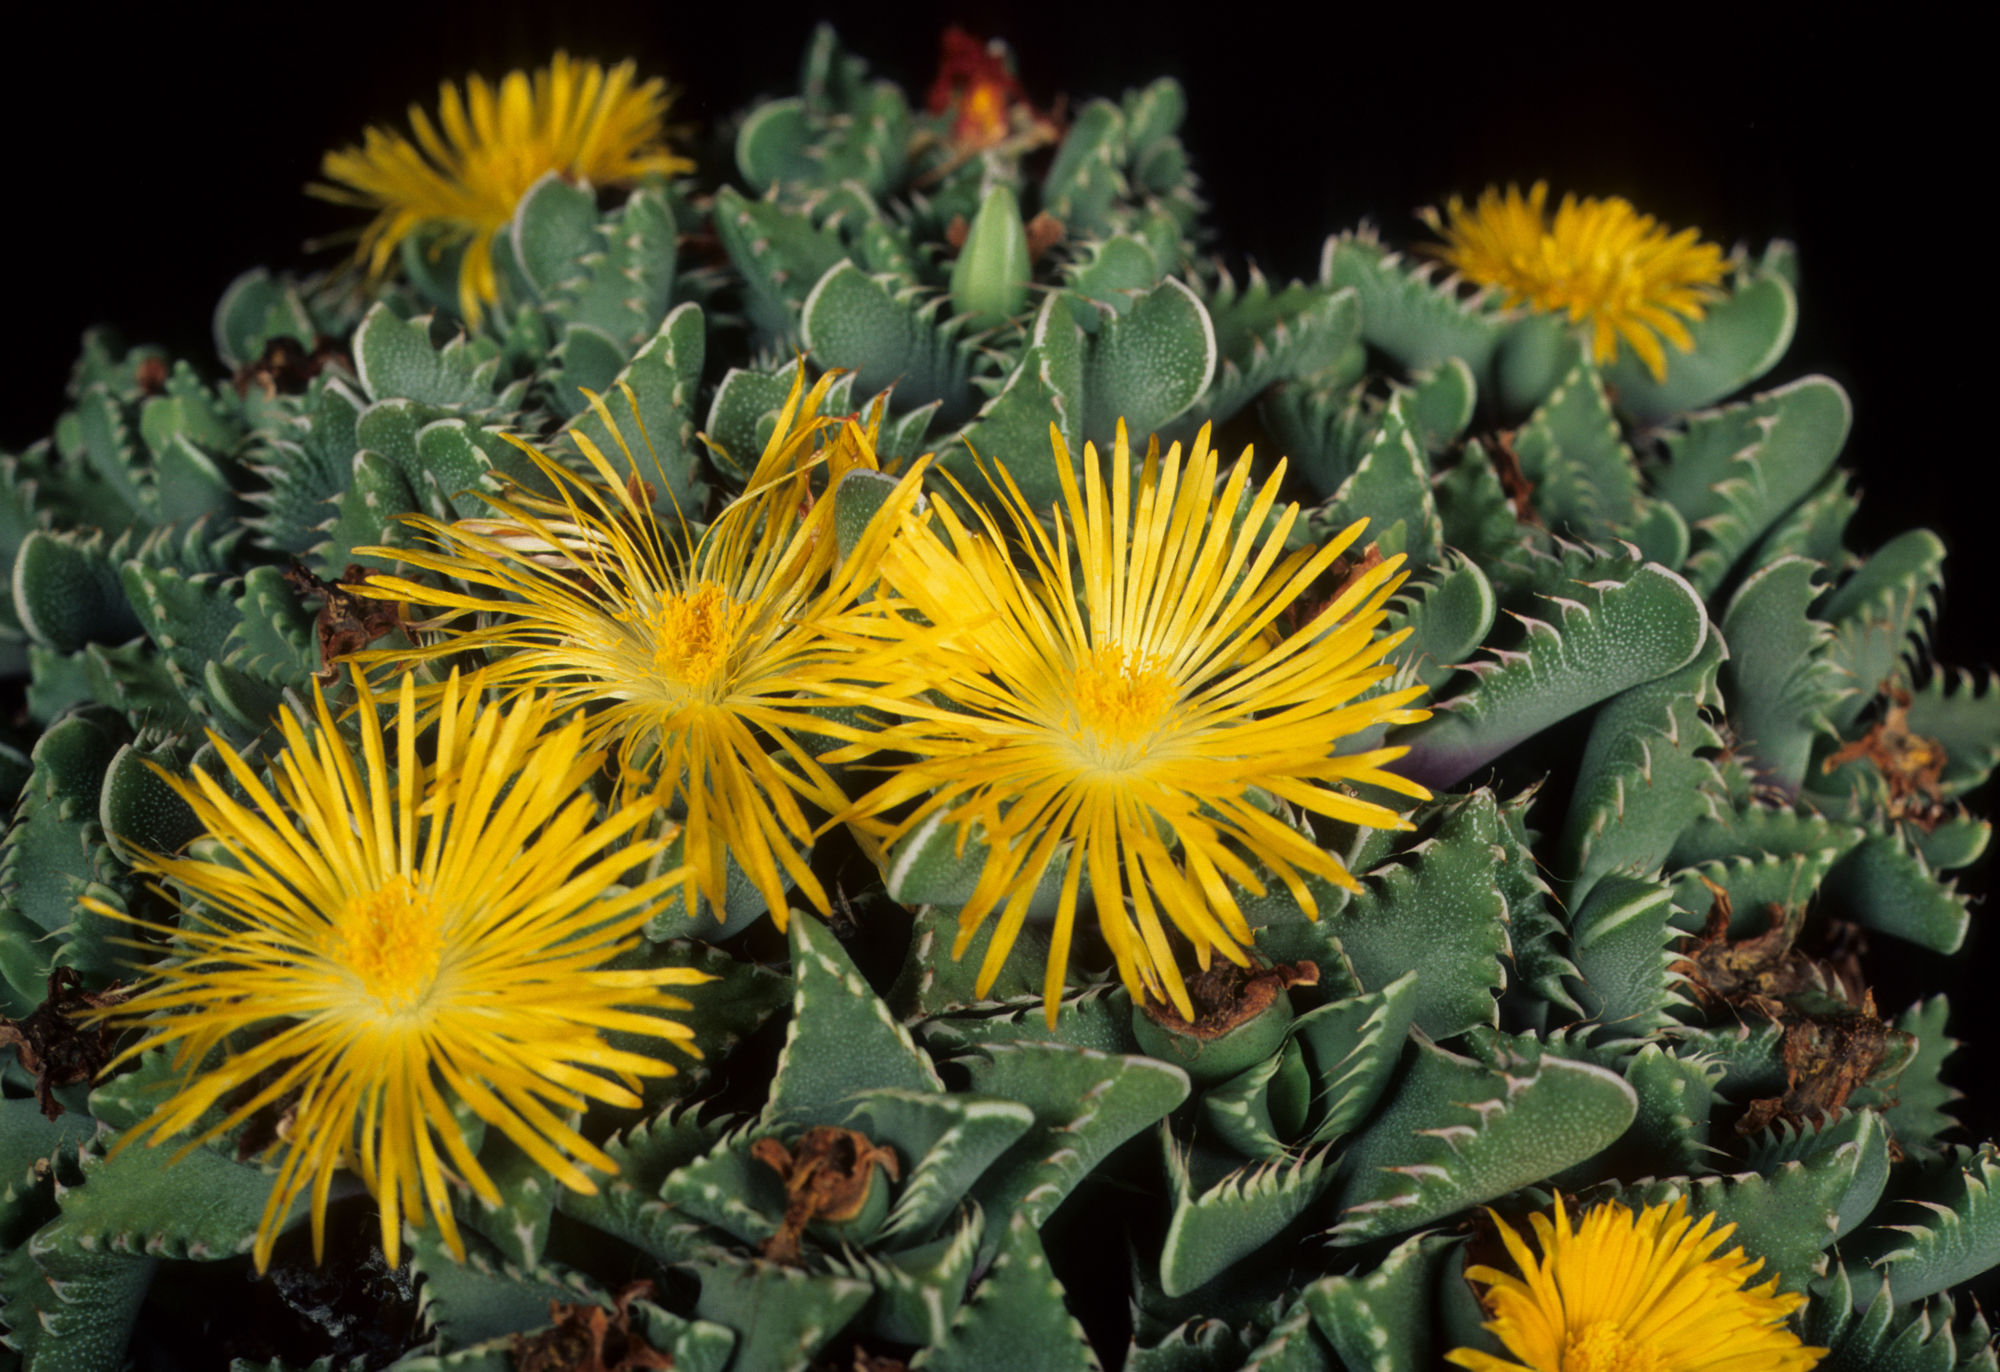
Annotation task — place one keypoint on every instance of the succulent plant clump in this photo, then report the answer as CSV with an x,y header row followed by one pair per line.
x,y
965,787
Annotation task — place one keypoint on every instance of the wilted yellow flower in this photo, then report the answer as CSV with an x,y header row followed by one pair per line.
x,y
1147,716
574,118
391,940
1627,1291
1602,263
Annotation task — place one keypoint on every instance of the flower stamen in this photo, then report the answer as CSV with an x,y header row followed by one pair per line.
x,y
392,939
1122,700
693,639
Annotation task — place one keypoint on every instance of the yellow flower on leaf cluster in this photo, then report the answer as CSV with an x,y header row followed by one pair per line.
x,y
1141,710
393,934
464,179
1635,1292
1618,273
699,660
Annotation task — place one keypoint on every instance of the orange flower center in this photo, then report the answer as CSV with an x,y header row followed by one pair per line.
x,y
982,118
393,940
1601,1346
693,637
1121,700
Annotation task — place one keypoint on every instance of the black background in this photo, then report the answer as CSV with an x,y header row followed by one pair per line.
x,y
151,158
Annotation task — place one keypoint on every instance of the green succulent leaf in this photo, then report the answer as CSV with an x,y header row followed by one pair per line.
x,y
1787,1216
306,466
1437,903
842,1039
1913,1103
1417,321
1750,886
67,591
743,414
486,1297
1860,1130
1622,942
1875,616
1442,402
1237,1216
1536,935
256,308
991,274
1778,680
554,224
731,1190
1536,351
1816,527
877,328
1962,714
204,1206
1645,775
1197,1346
56,848
781,254
395,359
1670,1136
946,1143
1294,1344
845,129
1390,487
1240,1109
1265,336
1603,638
644,424
1147,365
1353,1047
933,982
628,1205
518,1226
1884,885
621,281
138,810
1949,1229
32,1147
1382,1320
1457,1132
1586,480
1477,515
1085,1103
1087,174
369,515
105,427
1015,1318
1864,1333
770,147
939,863
1734,472
781,1316
1324,424
65,1308
1041,393
917,1290
1738,340
1448,613
1099,1019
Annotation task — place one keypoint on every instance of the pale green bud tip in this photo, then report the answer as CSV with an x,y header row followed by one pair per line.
x,y
989,281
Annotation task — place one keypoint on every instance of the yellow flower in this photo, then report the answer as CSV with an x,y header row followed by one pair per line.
x,y
388,936
700,660
575,118
1605,265
1149,716
1626,1292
